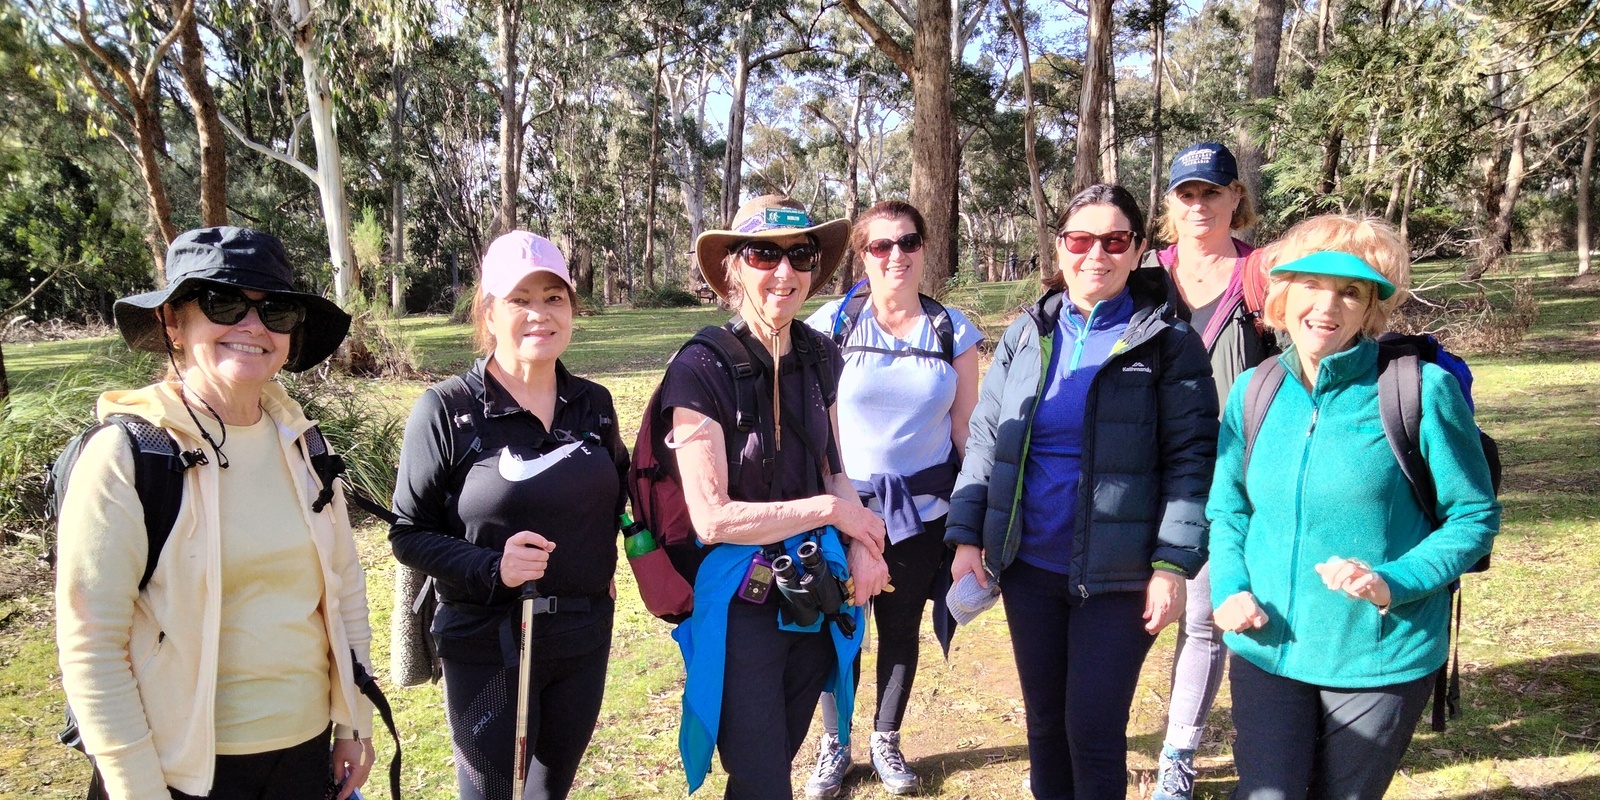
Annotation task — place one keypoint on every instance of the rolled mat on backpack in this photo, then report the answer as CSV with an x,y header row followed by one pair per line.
x,y
413,660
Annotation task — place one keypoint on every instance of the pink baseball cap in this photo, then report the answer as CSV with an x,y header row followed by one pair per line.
x,y
515,256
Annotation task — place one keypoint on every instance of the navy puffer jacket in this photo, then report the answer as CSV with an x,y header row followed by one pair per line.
x,y
1150,444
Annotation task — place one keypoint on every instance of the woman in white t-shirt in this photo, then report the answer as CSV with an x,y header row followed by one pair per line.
x,y
909,385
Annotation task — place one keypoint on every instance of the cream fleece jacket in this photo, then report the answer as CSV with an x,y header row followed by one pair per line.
x,y
140,667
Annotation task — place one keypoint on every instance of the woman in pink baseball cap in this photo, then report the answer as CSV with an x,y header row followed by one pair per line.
x,y
510,478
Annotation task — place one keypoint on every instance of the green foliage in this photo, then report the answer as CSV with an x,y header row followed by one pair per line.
x,y
366,239
361,426
38,419
666,295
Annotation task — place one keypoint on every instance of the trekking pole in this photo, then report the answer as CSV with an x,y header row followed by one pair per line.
x,y
519,770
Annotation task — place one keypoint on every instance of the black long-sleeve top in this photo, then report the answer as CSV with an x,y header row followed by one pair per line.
x,y
467,484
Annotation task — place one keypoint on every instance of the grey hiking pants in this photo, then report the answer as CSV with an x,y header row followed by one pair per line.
x,y
1197,666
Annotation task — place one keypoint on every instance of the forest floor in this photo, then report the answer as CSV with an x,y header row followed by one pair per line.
x,y
1530,644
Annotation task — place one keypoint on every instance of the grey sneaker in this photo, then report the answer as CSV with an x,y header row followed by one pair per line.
x,y
1176,780
833,762
891,764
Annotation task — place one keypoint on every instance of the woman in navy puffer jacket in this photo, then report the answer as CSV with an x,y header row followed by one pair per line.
x,y
1083,489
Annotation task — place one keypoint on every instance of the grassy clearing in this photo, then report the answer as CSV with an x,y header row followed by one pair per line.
x,y
1530,649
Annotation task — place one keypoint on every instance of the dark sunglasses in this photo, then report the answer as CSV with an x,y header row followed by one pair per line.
x,y
226,307
1114,243
767,256
881,248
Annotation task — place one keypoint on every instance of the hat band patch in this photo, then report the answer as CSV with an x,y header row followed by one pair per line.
x,y
773,218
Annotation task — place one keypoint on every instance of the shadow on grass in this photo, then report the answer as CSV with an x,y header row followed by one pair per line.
x,y
1579,789
937,768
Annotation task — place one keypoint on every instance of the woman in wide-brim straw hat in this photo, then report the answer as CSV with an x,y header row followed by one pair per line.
x,y
753,677
228,674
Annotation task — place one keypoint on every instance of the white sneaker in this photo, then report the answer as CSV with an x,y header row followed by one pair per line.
x,y
833,763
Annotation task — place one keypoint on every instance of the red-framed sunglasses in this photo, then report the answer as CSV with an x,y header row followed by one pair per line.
x,y
1114,243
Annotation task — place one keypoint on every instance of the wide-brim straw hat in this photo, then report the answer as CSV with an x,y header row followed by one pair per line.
x,y
238,258
771,216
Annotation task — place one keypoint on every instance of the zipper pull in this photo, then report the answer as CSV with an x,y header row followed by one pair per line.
x,y
1083,590
1314,411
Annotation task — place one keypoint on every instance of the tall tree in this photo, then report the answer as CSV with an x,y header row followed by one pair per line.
x,y
760,19
655,160
1266,45
512,127
1086,166
934,178
128,61
1158,57
1016,15
1586,187
191,64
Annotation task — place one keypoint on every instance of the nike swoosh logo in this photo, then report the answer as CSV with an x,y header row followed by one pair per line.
x,y
516,470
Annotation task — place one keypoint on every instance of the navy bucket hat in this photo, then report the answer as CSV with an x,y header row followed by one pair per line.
x,y
238,258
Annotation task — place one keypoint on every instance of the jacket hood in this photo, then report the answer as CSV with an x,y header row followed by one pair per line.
x,y
160,404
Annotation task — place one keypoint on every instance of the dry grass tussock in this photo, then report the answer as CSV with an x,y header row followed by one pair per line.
x,y
1473,323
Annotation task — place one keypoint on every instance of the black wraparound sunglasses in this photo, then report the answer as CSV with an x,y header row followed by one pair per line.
x,y
881,248
767,256
228,307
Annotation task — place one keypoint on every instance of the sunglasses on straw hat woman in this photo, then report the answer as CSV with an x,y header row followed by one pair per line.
x,y
1219,288
903,411
1329,577
754,678
537,500
228,675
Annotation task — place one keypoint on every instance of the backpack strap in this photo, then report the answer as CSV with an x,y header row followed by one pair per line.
x,y
726,343
849,312
1400,408
1264,384
329,467
158,470
854,304
369,688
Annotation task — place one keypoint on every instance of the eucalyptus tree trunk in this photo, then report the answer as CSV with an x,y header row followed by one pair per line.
x,y
934,155
1091,98
1016,15
1516,170
1585,186
397,200
330,170
1263,84
1493,183
733,157
207,123
1158,57
1108,127
650,176
508,23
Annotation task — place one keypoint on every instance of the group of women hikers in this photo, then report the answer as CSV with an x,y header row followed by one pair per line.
x,y
1100,481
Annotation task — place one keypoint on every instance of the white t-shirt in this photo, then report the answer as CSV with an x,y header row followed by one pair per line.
x,y
894,411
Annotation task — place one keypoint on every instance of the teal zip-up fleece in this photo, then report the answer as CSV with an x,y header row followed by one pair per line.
x,y
1149,444
1323,482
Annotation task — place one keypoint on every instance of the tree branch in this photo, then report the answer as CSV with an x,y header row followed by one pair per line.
x,y
881,38
282,158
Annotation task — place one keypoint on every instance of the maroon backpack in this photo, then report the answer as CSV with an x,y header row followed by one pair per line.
x,y
666,574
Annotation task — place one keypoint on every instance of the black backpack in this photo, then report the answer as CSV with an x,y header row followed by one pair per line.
x,y
1400,360
848,316
158,467
654,487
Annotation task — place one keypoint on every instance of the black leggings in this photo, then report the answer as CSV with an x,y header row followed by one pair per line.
x,y
914,566
769,692
301,772
480,700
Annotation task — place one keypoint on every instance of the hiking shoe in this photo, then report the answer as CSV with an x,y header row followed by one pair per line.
x,y
891,764
833,762
1176,780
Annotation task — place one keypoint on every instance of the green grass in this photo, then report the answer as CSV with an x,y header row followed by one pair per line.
x,y
1530,646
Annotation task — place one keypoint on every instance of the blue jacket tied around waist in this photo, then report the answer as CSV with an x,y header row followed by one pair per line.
x,y
704,642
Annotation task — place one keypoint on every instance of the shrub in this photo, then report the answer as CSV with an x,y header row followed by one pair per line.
x,y
668,295
39,419
373,349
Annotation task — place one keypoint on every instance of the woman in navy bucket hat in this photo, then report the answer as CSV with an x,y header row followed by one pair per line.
x,y
228,672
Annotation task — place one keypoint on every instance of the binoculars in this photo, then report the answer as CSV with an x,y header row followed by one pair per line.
x,y
808,589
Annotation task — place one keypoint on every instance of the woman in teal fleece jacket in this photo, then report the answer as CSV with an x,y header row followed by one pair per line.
x,y
1327,574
